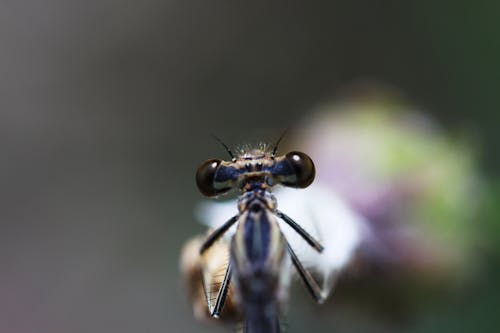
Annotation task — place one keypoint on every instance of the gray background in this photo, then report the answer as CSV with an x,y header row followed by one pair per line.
x,y
106,109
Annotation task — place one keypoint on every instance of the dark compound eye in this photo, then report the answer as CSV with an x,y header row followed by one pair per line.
x,y
303,168
205,178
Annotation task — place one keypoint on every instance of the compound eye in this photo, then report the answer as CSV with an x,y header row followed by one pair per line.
x,y
205,177
303,167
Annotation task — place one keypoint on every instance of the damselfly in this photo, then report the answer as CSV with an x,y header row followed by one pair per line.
x,y
259,253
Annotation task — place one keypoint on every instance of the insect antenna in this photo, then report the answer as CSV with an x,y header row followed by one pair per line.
x,y
225,146
275,148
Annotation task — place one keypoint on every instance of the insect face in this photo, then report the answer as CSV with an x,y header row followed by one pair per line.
x,y
254,170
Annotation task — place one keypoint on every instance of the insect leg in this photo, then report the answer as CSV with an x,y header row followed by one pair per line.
x,y
311,285
217,233
304,234
221,295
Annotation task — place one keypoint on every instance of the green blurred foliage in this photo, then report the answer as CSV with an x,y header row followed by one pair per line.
x,y
463,37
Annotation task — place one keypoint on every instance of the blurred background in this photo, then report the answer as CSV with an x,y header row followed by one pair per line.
x,y
106,109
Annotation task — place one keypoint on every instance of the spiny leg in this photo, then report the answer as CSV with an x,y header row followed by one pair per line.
x,y
311,284
222,294
217,233
304,234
